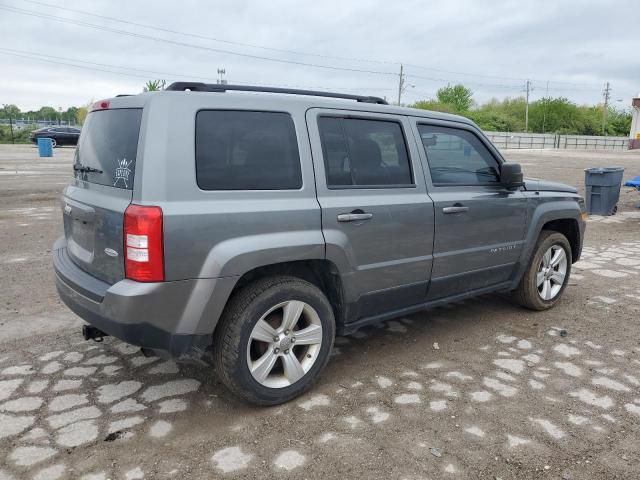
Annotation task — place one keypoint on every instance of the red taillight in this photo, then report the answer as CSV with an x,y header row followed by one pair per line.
x,y
100,105
144,252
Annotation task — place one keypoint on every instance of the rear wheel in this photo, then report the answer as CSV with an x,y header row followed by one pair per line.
x,y
54,144
273,340
548,273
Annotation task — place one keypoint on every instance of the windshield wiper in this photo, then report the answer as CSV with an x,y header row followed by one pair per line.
x,y
82,168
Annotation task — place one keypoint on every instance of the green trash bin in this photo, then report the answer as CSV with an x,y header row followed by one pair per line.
x,y
603,189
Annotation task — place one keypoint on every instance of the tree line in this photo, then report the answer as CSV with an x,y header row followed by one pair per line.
x,y
546,115
70,116
24,122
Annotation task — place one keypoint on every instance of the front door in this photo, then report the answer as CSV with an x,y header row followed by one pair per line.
x,y
479,224
377,219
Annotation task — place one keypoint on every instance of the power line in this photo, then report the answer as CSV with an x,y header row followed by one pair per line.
x,y
59,61
295,52
201,47
488,85
500,77
214,39
26,54
137,35
71,65
189,45
436,79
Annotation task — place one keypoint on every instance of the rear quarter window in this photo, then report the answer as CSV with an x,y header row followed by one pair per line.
x,y
246,150
109,143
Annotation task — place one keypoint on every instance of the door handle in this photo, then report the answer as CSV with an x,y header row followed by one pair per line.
x,y
354,217
455,209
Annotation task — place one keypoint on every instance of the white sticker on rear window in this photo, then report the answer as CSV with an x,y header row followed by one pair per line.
x,y
122,172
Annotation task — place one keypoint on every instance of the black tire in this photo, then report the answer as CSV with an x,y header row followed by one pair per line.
x,y
232,335
527,293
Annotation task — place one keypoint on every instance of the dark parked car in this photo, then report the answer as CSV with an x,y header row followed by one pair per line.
x,y
59,135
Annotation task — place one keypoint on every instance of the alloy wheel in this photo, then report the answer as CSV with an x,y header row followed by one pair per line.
x,y
551,272
284,344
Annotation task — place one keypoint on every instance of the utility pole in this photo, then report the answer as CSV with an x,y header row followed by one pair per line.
x,y
607,96
221,73
544,115
400,84
527,87
8,112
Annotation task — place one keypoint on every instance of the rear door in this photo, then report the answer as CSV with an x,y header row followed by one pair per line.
x,y
377,219
94,204
479,224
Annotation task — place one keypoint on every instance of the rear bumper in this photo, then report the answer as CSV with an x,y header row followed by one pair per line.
x,y
177,317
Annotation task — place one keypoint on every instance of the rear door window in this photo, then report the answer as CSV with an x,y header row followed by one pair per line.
x,y
246,150
109,144
364,153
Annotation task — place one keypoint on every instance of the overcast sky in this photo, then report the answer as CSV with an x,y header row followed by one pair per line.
x,y
490,46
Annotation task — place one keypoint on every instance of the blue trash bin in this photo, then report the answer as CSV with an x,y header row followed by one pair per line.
x,y
603,189
45,147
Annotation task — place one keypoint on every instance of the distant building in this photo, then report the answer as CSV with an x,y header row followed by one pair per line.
x,y
634,135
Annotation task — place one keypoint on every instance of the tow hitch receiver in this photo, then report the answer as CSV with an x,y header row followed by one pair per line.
x,y
92,333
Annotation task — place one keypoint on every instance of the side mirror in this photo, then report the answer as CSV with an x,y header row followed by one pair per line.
x,y
511,175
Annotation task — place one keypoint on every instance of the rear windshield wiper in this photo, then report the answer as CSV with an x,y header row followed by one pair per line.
x,y
82,168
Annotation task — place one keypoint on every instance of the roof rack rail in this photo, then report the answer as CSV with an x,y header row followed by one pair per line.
x,y
217,87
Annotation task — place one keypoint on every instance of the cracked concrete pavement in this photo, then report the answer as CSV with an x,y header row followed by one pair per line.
x,y
508,393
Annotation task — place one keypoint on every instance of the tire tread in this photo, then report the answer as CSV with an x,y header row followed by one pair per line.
x,y
525,294
229,329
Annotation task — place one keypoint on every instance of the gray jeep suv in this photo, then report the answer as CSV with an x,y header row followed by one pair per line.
x,y
255,226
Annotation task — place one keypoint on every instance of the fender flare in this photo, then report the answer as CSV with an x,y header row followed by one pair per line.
x,y
543,214
229,260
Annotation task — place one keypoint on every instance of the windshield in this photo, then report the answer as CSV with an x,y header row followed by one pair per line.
x,y
107,148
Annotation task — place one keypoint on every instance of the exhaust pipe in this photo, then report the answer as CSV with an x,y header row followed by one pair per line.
x,y
92,333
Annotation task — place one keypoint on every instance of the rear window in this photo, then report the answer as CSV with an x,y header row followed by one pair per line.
x,y
245,150
109,143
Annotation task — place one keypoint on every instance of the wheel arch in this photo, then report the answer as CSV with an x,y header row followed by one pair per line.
x,y
570,228
562,216
324,274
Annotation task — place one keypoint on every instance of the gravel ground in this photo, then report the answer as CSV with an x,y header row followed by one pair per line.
x,y
478,389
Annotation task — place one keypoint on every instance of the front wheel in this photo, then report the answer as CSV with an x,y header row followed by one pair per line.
x,y
548,273
274,339
54,144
